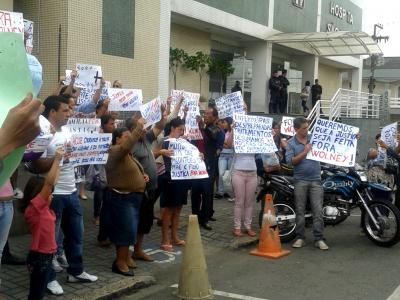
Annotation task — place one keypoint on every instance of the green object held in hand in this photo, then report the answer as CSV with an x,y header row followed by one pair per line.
x,y
15,83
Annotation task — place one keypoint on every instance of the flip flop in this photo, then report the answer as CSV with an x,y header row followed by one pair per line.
x,y
166,247
179,243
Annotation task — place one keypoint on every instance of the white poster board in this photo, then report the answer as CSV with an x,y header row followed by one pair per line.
x,y
151,111
389,135
287,126
11,22
88,149
82,125
88,77
86,95
28,32
333,143
229,104
253,134
125,99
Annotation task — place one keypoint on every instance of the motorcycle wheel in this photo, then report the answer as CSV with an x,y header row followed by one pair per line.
x,y
286,219
388,217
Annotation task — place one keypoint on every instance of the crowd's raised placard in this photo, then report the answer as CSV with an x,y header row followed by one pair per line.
x,y
186,162
253,134
389,135
86,95
88,77
11,22
151,111
125,99
287,126
229,104
333,143
28,29
81,125
88,149
35,148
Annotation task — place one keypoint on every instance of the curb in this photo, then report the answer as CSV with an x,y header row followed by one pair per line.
x,y
116,289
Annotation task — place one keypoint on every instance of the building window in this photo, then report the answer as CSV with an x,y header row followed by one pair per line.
x,y
118,28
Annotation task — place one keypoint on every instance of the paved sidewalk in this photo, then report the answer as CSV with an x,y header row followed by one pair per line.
x,y
97,260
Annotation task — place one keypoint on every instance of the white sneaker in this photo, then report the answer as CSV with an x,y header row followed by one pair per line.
x,y
62,260
321,245
56,266
231,199
299,243
55,288
83,277
18,194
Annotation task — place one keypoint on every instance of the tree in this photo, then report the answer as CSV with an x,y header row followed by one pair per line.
x,y
222,69
198,63
176,57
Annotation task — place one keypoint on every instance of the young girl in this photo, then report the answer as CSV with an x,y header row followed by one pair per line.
x,y
41,222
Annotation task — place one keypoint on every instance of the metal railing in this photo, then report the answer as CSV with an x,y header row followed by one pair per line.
x,y
347,103
394,103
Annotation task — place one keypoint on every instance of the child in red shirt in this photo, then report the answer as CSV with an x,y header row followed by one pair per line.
x,y
41,221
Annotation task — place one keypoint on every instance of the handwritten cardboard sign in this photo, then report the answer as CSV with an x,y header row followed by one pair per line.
x,y
88,77
81,125
229,104
86,95
28,30
125,99
151,111
389,134
287,126
253,134
35,148
186,163
11,22
333,143
88,149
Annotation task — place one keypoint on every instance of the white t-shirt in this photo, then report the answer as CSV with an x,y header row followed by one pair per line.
x,y
66,180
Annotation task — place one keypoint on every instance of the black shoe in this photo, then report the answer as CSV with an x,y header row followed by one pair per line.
x,y
218,196
115,269
212,219
12,260
226,195
206,226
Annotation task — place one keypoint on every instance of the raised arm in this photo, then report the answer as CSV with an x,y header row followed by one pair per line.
x,y
52,176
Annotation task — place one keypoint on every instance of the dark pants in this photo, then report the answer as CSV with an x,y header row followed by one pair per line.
x,y
97,201
39,267
104,218
304,105
69,218
283,103
211,165
146,212
273,107
201,199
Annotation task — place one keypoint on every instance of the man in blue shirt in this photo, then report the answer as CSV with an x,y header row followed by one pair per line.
x,y
307,178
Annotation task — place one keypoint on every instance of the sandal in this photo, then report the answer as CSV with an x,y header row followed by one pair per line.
x,y
179,243
251,232
237,232
166,247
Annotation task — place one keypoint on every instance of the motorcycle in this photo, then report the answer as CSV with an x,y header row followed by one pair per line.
x,y
344,190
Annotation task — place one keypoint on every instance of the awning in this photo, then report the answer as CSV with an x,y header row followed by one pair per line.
x,y
335,43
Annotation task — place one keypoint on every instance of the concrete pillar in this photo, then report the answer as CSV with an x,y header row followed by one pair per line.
x,y
356,79
164,44
261,54
308,64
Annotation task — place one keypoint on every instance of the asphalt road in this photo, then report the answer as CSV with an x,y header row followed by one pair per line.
x,y
353,268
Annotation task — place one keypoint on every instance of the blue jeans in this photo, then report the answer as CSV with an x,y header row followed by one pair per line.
x,y
313,190
6,216
224,164
69,218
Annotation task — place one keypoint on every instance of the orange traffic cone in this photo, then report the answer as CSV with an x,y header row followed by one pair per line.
x,y
269,243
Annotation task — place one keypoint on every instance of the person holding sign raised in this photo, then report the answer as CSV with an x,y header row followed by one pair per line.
x,y
126,184
307,184
174,193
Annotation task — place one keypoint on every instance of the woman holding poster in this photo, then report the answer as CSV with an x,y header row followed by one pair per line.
x,y
174,193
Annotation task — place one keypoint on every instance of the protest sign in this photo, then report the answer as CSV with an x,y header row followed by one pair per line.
x,y
229,104
88,149
151,111
124,99
11,22
81,125
36,148
333,143
88,77
86,95
253,134
287,126
15,83
389,135
28,32
186,163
